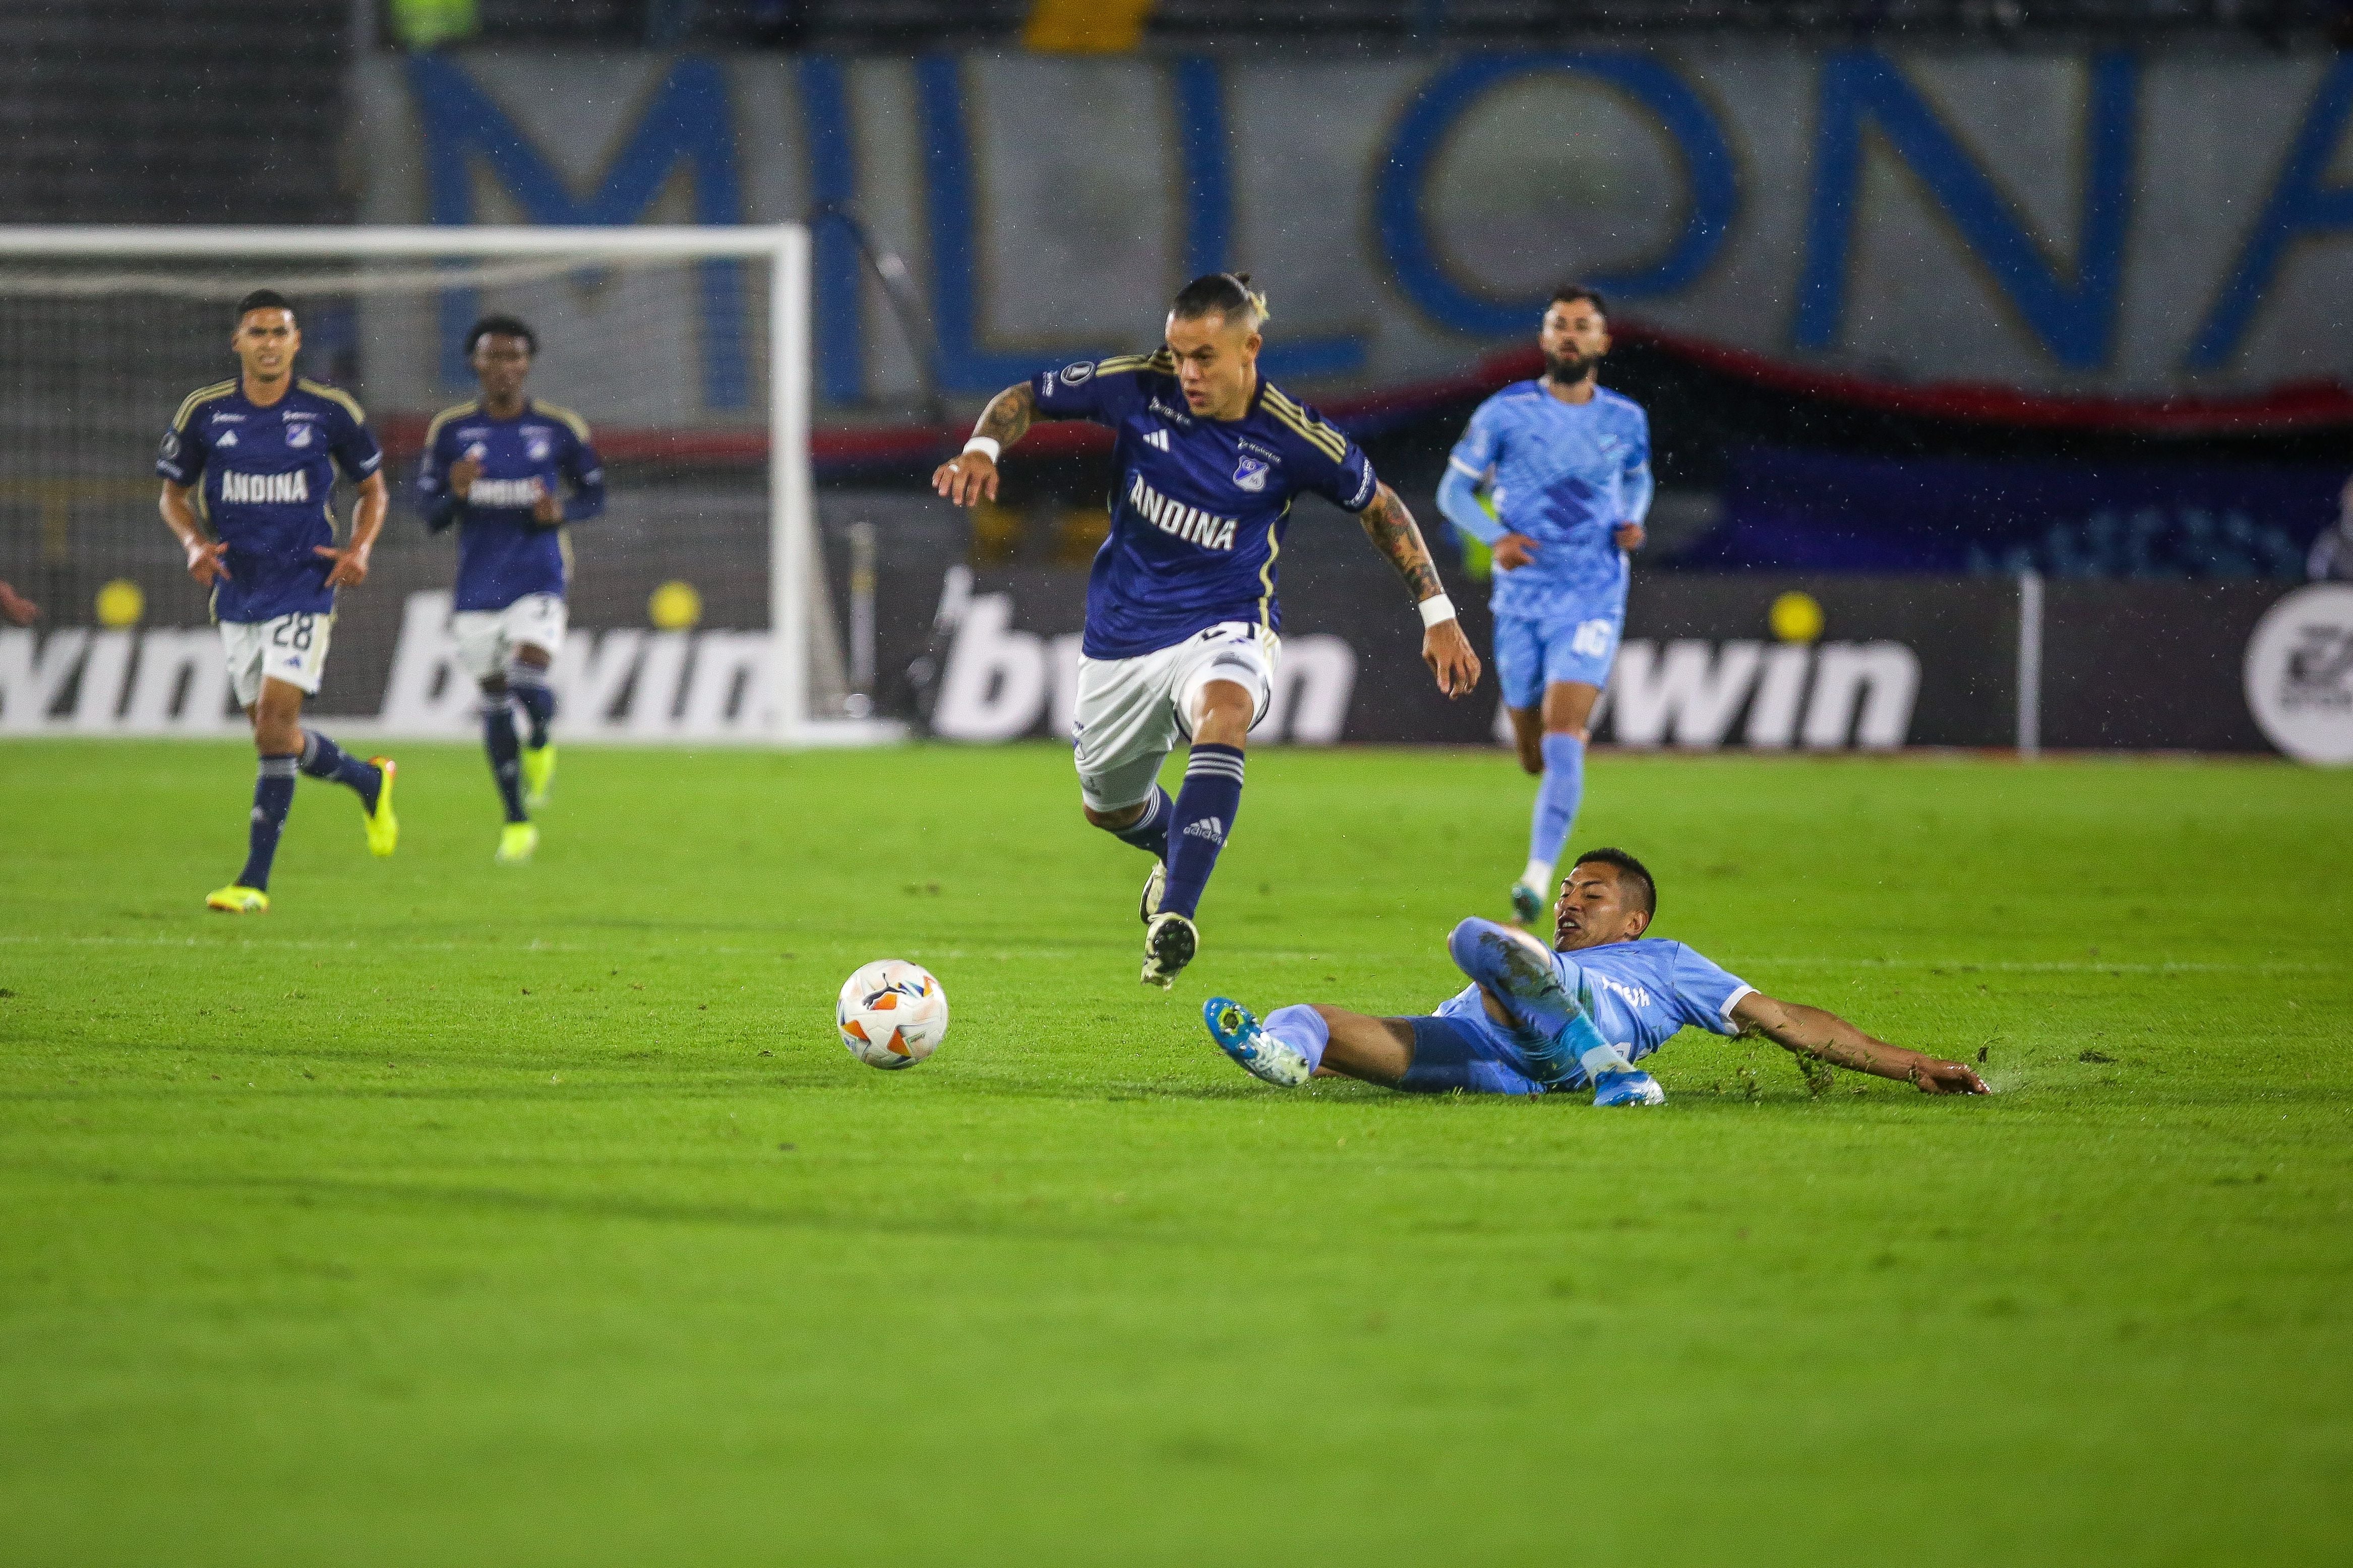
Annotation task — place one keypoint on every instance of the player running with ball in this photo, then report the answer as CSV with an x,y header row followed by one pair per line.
x,y
1578,1015
497,466
1568,465
1180,639
255,457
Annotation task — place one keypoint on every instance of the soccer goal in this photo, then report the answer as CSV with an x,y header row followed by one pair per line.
x,y
700,603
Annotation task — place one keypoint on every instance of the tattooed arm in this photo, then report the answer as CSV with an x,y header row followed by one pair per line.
x,y
1444,648
971,476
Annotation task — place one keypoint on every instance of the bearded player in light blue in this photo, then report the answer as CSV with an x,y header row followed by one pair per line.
x,y
1577,1015
1567,464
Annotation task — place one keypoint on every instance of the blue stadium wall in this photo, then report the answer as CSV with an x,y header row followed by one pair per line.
x,y
2101,235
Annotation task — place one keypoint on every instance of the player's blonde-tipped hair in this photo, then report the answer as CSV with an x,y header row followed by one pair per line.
x,y
1227,294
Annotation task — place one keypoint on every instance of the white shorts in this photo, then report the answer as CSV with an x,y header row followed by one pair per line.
x,y
291,648
1132,713
488,638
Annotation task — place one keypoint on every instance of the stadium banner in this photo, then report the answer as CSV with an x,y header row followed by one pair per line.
x,y
1758,660
2105,232
1831,512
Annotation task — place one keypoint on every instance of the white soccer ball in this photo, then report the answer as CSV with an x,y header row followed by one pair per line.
x,y
892,1014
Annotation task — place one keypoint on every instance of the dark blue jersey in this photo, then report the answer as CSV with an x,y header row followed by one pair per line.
x,y
503,551
1200,505
266,479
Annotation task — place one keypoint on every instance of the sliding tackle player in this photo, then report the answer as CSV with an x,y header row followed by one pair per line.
x,y
1578,1015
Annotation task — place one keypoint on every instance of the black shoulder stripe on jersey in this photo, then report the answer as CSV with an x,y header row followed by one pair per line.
x,y
334,394
1325,439
577,426
455,411
202,395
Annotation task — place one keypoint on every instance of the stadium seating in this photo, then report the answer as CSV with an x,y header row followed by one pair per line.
x,y
154,112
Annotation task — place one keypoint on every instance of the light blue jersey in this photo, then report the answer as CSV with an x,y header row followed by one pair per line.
x,y
1565,475
1643,993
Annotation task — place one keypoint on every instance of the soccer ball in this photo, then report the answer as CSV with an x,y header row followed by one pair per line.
x,y
892,1014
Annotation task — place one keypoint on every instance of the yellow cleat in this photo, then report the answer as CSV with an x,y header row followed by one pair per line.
x,y
516,842
236,898
538,769
382,828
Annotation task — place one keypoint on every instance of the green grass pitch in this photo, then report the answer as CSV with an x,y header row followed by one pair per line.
x,y
457,1214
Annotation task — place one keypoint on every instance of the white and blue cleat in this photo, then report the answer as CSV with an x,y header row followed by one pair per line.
x,y
1632,1087
1259,1054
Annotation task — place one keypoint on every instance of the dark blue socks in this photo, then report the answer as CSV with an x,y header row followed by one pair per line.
x,y
529,684
322,758
1149,832
273,796
1204,816
506,755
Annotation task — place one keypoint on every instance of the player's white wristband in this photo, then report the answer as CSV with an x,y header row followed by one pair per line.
x,y
986,446
1436,608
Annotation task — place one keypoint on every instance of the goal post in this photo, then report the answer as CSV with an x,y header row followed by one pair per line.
x,y
686,349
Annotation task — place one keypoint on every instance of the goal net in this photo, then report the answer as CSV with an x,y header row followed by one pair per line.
x,y
699,600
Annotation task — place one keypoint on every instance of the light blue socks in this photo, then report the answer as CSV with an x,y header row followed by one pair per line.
x,y
1558,795
1302,1028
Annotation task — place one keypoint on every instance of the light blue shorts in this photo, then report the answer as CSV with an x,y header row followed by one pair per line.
x,y
1467,1053
1577,644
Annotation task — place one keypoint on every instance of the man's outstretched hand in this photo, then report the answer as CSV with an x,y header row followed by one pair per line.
x,y
207,559
1448,653
1932,1075
967,479
17,608
351,564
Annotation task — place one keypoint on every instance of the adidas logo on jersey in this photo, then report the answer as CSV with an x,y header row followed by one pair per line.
x,y
1209,828
1157,439
264,489
1189,524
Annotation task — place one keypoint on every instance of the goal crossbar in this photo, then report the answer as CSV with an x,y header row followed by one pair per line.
x,y
783,247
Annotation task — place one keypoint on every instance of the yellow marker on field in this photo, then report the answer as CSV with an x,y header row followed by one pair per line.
x,y
121,603
675,607
1796,617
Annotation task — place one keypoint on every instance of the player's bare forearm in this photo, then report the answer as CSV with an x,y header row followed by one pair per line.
x,y
203,555
367,516
1009,415
1818,1033
178,515
1444,648
1395,534
349,566
971,476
